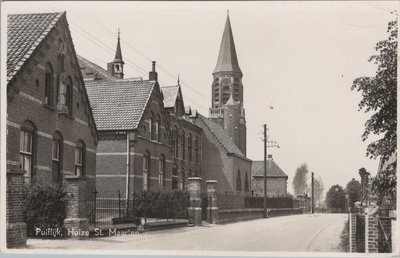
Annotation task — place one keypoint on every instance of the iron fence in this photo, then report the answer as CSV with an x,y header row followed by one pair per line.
x,y
147,205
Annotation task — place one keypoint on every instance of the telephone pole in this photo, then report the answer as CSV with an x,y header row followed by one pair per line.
x,y
312,192
265,170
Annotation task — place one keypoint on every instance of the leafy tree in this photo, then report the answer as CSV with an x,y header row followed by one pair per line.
x,y
353,189
318,189
336,197
379,95
300,179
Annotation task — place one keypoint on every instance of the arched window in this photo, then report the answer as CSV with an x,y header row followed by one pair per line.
x,y
57,157
69,94
175,177
246,183
183,145
151,126
157,128
146,170
190,147
26,148
182,179
49,84
161,175
238,182
80,155
196,149
174,141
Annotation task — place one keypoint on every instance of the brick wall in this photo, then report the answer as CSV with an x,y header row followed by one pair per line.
x,y
16,228
352,233
275,186
371,234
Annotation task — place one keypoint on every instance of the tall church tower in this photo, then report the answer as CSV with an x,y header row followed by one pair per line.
x,y
227,91
116,67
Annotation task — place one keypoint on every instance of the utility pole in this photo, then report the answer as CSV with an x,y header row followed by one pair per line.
x,y
265,170
312,192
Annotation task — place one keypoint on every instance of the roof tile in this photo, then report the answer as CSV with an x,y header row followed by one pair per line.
x,y
25,33
118,105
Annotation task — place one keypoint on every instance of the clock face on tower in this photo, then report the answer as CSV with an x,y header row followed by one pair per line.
x,y
226,82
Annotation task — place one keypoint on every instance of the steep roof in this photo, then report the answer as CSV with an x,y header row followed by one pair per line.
x,y
83,62
227,58
257,169
25,33
119,105
221,136
118,54
170,94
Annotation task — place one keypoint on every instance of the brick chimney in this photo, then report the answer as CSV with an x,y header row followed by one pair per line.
x,y
153,76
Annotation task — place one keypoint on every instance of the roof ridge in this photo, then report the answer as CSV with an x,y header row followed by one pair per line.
x,y
212,132
147,102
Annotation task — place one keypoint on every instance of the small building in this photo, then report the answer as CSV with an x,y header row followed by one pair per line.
x,y
276,179
51,132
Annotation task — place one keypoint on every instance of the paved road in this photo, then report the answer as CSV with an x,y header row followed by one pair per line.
x,y
299,233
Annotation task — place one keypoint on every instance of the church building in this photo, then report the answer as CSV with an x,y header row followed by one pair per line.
x,y
227,91
224,131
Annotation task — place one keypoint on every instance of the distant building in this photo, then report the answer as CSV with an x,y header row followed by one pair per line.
x,y
51,132
276,179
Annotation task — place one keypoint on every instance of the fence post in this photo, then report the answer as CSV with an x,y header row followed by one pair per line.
x,y
195,216
95,192
77,217
119,204
212,211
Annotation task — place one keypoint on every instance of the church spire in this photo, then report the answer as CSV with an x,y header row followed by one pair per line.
x,y
227,58
118,54
116,67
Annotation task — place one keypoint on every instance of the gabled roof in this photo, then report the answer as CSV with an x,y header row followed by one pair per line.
x,y
170,94
83,62
227,58
257,169
119,105
25,33
221,136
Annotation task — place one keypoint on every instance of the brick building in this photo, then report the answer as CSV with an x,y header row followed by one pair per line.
x,y
144,131
50,128
276,179
185,136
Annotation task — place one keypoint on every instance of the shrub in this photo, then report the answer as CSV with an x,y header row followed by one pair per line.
x,y
159,204
46,207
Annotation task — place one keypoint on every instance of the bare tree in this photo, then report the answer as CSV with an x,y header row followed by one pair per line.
x,y
300,179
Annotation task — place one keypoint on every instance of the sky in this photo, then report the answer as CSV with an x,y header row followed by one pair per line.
x,y
299,57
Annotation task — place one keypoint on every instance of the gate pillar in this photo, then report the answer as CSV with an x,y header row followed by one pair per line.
x,y
194,209
76,223
212,207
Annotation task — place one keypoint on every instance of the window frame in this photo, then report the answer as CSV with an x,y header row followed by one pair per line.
x,y
146,171
49,85
80,167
